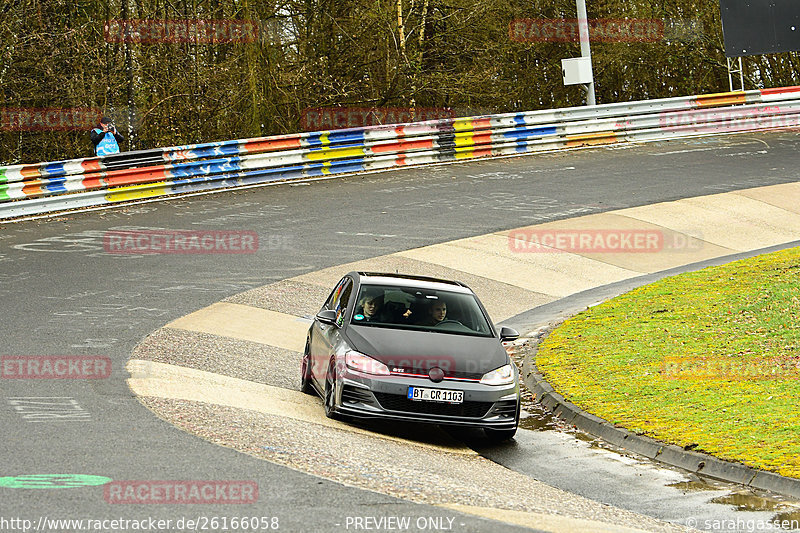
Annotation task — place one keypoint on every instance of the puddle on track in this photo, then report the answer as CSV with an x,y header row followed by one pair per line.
x,y
749,502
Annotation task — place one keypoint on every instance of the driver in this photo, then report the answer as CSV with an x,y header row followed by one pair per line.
x,y
436,313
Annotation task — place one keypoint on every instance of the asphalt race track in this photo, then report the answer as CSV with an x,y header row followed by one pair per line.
x,y
63,294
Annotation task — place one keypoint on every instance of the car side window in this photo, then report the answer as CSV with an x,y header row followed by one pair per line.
x,y
333,299
344,300
340,298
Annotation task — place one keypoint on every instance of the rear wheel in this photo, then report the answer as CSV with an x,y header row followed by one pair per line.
x,y
305,372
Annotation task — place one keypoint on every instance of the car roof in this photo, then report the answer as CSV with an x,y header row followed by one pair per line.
x,y
406,280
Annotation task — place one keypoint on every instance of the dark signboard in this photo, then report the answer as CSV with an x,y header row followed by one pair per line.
x,y
754,27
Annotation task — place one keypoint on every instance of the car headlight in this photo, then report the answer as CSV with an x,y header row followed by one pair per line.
x,y
363,363
499,376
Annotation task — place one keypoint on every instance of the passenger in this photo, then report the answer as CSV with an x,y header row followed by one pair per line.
x,y
370,307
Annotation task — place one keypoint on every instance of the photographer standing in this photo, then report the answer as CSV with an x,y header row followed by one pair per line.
x,y
105,138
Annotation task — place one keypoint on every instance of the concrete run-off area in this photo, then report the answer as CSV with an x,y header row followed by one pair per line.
x,y
248,398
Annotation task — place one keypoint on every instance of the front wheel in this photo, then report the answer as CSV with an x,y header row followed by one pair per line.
x,y
305,372
330,392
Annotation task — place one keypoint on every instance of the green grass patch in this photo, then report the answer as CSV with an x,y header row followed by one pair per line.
x,y
708,358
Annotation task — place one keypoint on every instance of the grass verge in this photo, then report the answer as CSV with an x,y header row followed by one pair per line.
x,y
708,360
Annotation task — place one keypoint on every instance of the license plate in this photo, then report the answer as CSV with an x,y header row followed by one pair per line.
x,y
435,395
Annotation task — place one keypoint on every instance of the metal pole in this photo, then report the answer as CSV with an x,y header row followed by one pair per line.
x,y
583,30
733,70
730,73
741,74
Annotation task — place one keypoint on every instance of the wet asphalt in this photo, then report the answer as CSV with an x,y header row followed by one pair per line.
x,y
62,294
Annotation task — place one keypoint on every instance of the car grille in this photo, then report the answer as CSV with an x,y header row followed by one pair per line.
x,y
448,373
465,375
395,402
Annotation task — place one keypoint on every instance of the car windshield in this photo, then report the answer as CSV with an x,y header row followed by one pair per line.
x,y
420,309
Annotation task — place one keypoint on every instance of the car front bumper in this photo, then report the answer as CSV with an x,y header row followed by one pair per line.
x,y
486,406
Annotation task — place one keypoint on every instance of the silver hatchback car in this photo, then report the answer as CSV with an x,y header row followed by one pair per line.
x,y
411,348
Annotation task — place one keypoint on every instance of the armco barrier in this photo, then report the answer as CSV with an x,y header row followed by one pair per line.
x,y
61,185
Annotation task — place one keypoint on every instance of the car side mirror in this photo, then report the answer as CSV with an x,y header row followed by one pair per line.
x,y
327,316
508,334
